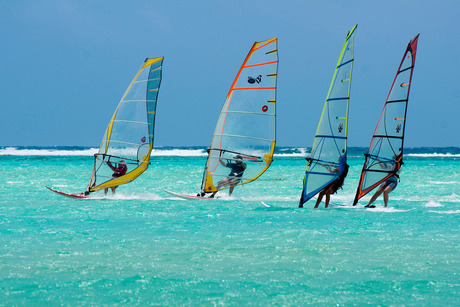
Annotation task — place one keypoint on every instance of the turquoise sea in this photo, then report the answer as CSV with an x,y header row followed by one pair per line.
x,y
145,247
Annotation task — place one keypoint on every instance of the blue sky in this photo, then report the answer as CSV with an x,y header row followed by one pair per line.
x,y
65,65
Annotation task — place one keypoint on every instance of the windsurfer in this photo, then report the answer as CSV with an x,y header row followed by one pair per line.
x,y
334,185
237,169
388,185
118,171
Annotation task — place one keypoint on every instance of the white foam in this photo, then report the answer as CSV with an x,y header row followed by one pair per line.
x,y
297,152
386,210
179,152
443,182
451,198
124,196
432,204
13,151
433,155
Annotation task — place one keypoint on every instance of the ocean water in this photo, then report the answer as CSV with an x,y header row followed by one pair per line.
x,y
145,247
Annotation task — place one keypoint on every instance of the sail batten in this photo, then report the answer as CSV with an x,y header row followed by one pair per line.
x,y
258,64
399,100
253,88
385,155
345,63
327,159
247,123
388,136
245,137
251,113
331,137
143,81
130,133
129,121
338,98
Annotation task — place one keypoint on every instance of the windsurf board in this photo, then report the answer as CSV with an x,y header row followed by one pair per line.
x,y
70,195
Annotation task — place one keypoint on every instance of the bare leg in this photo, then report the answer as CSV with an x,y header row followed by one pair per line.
x,y
232,183
328,197
113,190
320,197
374,197
387,191
105,191
230,191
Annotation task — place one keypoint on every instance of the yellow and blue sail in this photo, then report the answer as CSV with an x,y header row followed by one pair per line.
x,y
385,155
328,156
247,122
129,136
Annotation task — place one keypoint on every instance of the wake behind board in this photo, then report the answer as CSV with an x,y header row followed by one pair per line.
x,y
187,197
70,195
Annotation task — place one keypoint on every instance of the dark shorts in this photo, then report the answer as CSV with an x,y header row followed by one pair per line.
x,y
334,185
392,182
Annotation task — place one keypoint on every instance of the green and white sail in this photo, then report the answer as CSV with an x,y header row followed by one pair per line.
x,y
328,156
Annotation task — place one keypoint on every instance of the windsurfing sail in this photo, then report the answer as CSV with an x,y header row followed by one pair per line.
x,y
385,155
125,150
328,157
246,128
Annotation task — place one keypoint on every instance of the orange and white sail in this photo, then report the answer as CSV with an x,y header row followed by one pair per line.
x,y
247,123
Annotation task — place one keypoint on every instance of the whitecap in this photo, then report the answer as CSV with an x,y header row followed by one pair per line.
x,y
433,204
443,182
433,155
13,151
179,153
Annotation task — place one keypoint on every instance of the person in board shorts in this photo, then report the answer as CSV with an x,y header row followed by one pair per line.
x,y
234,177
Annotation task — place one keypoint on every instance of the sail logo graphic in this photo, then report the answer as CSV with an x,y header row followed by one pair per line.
x,y
143,139
340,127
252,80
398,128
